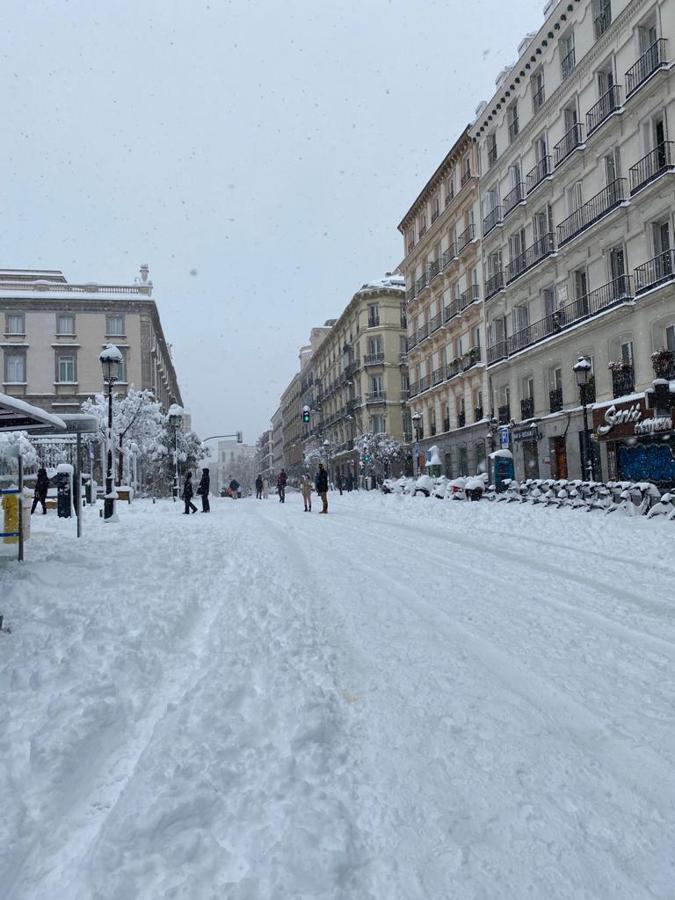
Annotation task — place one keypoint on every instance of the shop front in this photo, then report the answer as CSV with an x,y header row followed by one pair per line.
x,y
639,440
526,437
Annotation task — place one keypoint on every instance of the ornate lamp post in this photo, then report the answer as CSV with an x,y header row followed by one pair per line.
x,y
176,414
111,361
416,419
582,372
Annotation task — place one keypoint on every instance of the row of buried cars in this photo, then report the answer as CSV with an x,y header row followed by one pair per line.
x,y
642,498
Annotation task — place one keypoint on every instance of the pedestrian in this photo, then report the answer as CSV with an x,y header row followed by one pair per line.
x,y
258,487
188,493
338,482
234,489
350,482
281,486
322,487
306,488
203,490
40,493
266,488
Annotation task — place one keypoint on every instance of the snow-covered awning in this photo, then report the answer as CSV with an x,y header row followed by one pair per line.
x,y
17,415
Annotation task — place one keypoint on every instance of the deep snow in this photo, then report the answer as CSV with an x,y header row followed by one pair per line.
x,y
406,699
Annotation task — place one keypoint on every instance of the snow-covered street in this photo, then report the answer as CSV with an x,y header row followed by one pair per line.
x,y
404,699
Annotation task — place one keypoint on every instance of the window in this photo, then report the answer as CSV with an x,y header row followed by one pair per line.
x,y
411,239
574,197
450,188
373,314
15,368
670,338
15,323
378,424
422,223
122,371
375,345
435,208
602,16
114,326
567,55
65,325
512,119
492,148
612,167
377,385
403,345
65,368
538,92
466,169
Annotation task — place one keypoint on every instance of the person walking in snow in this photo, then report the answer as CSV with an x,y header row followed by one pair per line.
x,y
203,490
266,489
306,489
338,482
188,493
258,487
350,482
282,478
322,487
40,493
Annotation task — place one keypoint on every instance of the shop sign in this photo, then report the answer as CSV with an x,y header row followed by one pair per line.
x,y
526,432
632,419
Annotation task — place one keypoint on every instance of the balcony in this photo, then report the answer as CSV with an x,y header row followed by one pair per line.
x,y
465,238
410,295
529,258
425,383
494,285
652,59
493,218
446,425
466,175
373,321
453,368
376,397
655,272
513,198
651,166
435,323
536,176
513,129
538,100
567,64
405,395
470,359
352,368
448,255
414,389
603,109
492,155
411,342
623,380
573,139
421,282
478,414
423,332
555,400
469,296
437,376
597,207
504,414
435,213
527,408
610,294
373,359
449,312
664,364
434,268
461,419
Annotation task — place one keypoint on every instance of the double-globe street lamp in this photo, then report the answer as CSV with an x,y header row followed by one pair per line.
x,y
416,421
175,414
111,362
582,371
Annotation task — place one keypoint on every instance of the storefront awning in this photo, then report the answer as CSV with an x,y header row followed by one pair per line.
x,y
17,415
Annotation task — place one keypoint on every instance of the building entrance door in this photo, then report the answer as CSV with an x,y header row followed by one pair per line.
x,y
558,453
531,459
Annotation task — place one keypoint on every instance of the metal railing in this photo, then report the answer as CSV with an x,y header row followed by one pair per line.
x,y
421,282
376,396
373,321
414,389
513,198
520,264
448,255
467,297
592,211
373,359
425,383
446,425
465,237
656,271
651,166
437,376
492,155
567,63
461,419
411,341
496,352
449,312
536,175
410,294
423,332
538,99
494,284
466,175
555,400
527,408
434,268
504,414
404,395
514,128
453,368
606,105
491,220
572,139
435,322
478,414
471,358
623,381
652,59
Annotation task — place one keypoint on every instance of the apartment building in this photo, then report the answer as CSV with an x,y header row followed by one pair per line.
x,y
277,443
263,456
292,427
577,198
360,376
445,334
54,331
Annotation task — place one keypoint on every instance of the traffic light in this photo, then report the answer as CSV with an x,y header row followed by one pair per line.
x,y
366,458
305,415
240,437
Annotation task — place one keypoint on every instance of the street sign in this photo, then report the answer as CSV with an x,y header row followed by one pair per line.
x,y
504,437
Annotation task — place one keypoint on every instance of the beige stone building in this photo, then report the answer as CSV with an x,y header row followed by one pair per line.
x,y
54,331
359,375
578,195
446,337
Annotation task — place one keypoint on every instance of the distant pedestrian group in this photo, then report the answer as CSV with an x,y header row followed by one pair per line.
x,y
261,488
202,490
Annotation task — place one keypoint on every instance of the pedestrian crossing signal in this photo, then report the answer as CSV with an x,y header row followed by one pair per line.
x,y
305,415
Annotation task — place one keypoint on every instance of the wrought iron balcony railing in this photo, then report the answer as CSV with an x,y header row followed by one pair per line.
x,y
434,268
651,166
592,211
446,424
453,368
623,381
491,220
496,352
421,282
504,414
405,395
423,332
465,237
466,175
448,255
567,64
425,383
494,284
655,272
478,414
469,296
520,264
450,311
435,323
513,198
410,294
606,105
538,99
373,359
573,139
376,397
555,400
461,419
414,388
652,59
527,408
437,376
536,175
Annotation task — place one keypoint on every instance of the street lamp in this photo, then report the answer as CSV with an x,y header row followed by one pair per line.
x,y
111,361
416,420
175,414
582,372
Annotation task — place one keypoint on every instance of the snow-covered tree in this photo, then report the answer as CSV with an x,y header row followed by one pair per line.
x,y
381,450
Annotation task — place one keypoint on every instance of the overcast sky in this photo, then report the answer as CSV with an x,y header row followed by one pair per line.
x,y
257,155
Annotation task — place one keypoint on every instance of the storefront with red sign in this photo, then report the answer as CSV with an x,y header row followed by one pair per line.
x,y
639,441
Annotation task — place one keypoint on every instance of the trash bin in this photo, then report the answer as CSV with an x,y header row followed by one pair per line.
x,y
64,495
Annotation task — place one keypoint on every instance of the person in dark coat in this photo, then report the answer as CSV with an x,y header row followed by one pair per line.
x,y
40,494
350,482
258,487
234,489
281,486
322,487
203,490
188,493
338,482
